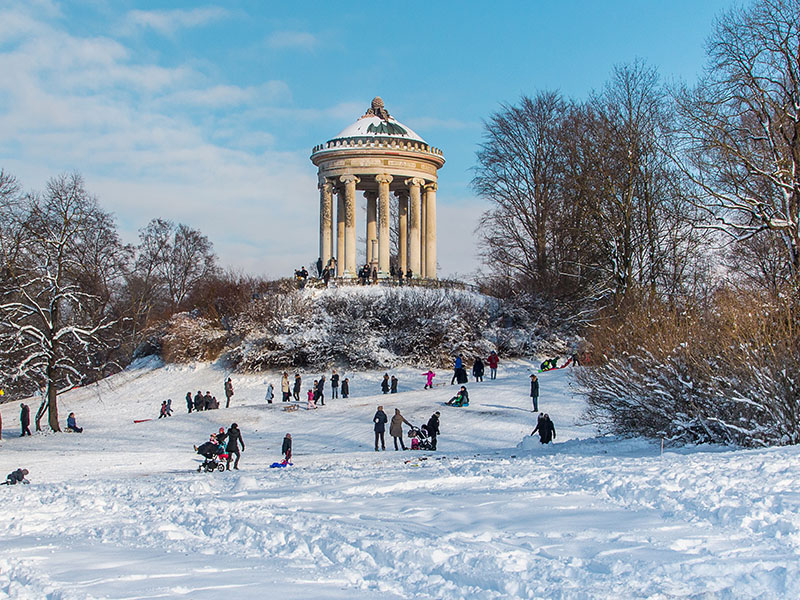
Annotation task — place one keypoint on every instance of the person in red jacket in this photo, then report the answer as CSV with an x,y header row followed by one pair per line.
x,y
492,361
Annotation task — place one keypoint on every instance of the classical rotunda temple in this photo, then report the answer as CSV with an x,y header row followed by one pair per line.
x,y
378,156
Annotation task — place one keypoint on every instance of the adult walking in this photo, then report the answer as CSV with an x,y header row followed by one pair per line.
x,y
546,429
270,394
433,429
393,386
457,368
228,392
189,402
492,361
478,369
535,392
345,387
321,390
285,387
298,384
334,384
380,420
385,383
396,428
234,437
25,419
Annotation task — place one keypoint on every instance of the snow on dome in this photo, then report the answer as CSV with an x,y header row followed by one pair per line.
x,y
377,122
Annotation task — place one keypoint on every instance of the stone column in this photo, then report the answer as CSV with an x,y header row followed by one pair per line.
x,y
414,225
339,231
349,182
372,232
383,180
430,230
423,248
325,221
402,226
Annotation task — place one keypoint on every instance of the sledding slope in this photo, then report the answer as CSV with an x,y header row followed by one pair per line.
x,y
119,512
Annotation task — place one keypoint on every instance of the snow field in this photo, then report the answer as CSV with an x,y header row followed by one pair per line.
x,y
119,512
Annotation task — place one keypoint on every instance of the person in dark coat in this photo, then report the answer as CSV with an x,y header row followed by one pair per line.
x,y
393,387
535,392
345,387
189,402
459,364
234,439
477,369
321,391
396,428
228,392
380,419
16,477
208,401
546,429
298,382
315,392
385,383
432,428
334,384
25,419
199,401
286,448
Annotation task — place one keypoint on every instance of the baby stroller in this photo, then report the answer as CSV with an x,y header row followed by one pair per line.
x,y
215,457
419,438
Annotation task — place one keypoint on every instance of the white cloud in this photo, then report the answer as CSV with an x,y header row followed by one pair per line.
x,y
292,39
168,22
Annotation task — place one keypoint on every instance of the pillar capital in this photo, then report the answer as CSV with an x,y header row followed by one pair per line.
x,y
325,184
384,178
431,187
414,182
349,179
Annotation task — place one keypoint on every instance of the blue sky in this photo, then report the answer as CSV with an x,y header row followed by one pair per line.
x,y
206,113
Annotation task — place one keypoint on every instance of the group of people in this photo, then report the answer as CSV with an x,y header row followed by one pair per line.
x,y
200,401
226,443
25,422
389,385
315,395
478,368
380,419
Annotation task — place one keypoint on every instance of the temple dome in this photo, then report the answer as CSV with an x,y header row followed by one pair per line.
x,y
378,123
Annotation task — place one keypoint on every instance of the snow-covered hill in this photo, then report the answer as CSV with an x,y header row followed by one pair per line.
x,y
120,511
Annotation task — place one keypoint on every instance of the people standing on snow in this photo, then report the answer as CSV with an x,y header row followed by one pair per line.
x,y
456,368
546,429
345,387
492,361
198,401
326,276
321,390
380,420
396,428
311,400
429,379
234,439
189,402
285,387
286,448
207,401
393,386
400,276
228,392
169,407
270,394
163,411
477,369
25,419
298,383
72,425
16,477
385,383
334,384
535,392
432,428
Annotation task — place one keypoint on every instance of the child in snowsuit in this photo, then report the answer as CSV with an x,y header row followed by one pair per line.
x,y
429,379
311,403
16,477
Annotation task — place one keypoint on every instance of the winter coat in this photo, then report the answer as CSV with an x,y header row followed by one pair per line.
x,y
385,385
207,401
429,376
228,388
534,388
477,368
234,439
396,428
380,420
16,477
270,395
335,380
321,386
459,363
345,388
394,385
25,415
198,401
285,384
492,361
71,424
298,382
286,448
433,425
189,401
546,429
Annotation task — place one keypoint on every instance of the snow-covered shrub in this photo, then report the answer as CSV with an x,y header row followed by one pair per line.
x,y
188,338
728,374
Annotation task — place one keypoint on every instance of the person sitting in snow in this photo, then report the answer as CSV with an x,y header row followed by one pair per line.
x,y
16,477
72,425
460,399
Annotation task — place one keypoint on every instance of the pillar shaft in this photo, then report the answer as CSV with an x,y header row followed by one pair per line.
x,y
349,182
430,230
423,248
402,226
340,231
383,224
325,221
372,228
414,225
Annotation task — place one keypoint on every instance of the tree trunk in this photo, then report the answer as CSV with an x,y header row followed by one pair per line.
x,y
52,403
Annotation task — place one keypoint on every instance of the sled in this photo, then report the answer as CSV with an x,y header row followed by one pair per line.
x,y
141,420
566,364
291,408
280,465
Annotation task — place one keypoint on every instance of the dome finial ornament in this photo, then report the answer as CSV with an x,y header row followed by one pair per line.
x,y
377,109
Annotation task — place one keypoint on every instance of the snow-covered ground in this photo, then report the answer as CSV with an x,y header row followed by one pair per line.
x,y
121,512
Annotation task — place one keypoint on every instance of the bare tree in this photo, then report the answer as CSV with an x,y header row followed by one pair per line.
x,y
740,127
60,254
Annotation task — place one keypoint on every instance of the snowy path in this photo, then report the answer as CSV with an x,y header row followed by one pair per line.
x,y
117,512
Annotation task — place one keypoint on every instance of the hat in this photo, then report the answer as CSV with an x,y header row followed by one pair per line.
x,y
437,413
222,430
